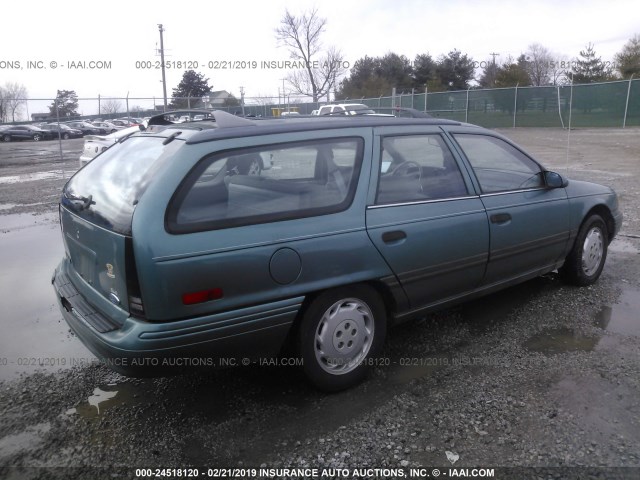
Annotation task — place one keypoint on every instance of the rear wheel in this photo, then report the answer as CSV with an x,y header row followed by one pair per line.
x,y
585,262
6,138
341,330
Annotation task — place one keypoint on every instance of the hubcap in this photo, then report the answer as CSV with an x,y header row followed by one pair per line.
x,y
592,251
344,335
254,168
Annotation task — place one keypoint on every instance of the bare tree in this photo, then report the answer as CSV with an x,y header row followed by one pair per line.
x,y
539,64
314,74
15,95
3,106
111,106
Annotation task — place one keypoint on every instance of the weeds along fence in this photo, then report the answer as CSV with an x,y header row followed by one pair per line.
x,y
609,104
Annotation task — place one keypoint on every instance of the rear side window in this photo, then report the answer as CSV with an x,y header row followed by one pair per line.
x,y
498,165
267,184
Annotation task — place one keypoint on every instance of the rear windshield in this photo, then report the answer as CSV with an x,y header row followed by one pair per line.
x,y
106,191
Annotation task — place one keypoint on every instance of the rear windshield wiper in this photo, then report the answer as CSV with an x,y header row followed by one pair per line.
x,y
85,202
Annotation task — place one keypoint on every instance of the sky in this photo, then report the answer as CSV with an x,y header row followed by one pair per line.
x,y
50,45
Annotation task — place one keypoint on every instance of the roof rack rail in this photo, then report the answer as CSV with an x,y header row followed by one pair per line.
x,y
223,119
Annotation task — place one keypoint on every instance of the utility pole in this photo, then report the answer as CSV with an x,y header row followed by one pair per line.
x,y
493,73
242,99
164,79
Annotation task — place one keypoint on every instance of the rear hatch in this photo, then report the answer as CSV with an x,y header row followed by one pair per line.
x,y
96,215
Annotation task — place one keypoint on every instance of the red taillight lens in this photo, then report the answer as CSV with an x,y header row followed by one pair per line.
x,y
202,296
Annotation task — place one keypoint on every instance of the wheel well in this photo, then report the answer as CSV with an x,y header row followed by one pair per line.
x,y
380,288
605,213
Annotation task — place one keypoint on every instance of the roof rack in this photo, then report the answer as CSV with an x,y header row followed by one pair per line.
x,y
223,119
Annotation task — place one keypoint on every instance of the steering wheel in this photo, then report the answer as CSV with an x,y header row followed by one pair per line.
x,y
405,168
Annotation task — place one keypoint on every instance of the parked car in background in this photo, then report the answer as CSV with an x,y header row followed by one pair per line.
x,y
348,109
132,121
96,144
87,128
24,132
108,126
62,131
120,123
175,252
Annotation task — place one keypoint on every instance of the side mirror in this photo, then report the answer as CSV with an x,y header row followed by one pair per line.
x,y
555,180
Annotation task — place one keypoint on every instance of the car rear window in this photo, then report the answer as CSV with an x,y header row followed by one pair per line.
x,y
106,191
267,184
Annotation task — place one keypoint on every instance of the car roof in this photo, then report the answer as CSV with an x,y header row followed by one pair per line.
x,y
225,125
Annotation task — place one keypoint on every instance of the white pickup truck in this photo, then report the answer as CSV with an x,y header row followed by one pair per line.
x,y
346,109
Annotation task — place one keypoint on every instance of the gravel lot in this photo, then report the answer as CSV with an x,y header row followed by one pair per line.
x,y
541,375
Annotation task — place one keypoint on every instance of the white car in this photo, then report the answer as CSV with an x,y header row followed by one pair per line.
x,y
349,109
96,144
110,127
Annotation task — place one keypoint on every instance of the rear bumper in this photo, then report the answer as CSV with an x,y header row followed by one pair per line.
x,y
141,348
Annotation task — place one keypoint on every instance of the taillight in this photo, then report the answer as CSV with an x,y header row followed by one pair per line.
x,y
136,307
202,296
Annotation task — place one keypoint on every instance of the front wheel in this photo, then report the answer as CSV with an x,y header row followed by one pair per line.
x,y
6,138
37,137
66,136
341,331
585,262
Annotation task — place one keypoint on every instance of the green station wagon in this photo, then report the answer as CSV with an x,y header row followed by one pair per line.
x,y
222,242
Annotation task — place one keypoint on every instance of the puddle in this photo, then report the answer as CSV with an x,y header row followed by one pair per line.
x,y
35,337
622,245
18,221
210,402
27,440
622,317
31,177
102,399
560,340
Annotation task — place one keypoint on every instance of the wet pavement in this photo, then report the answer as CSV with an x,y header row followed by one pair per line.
x,y
34,334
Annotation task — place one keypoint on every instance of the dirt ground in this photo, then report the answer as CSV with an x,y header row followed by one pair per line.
x,y
539,381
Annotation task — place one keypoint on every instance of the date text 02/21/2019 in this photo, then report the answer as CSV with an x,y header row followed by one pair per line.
x,y
235,64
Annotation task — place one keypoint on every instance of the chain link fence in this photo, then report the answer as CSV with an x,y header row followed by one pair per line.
x,y
610,104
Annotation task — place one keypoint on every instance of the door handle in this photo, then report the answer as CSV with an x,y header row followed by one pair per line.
x,y
500,218
393,236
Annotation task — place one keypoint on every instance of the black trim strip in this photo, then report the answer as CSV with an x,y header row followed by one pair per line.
x,y
422,274
522,248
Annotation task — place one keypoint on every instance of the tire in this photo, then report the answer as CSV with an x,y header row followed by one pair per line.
x,y
113,131
340,331
6,138
586,259
251,168
66,136
37,137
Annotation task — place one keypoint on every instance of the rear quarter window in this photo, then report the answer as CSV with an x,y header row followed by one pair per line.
x,y
267,184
